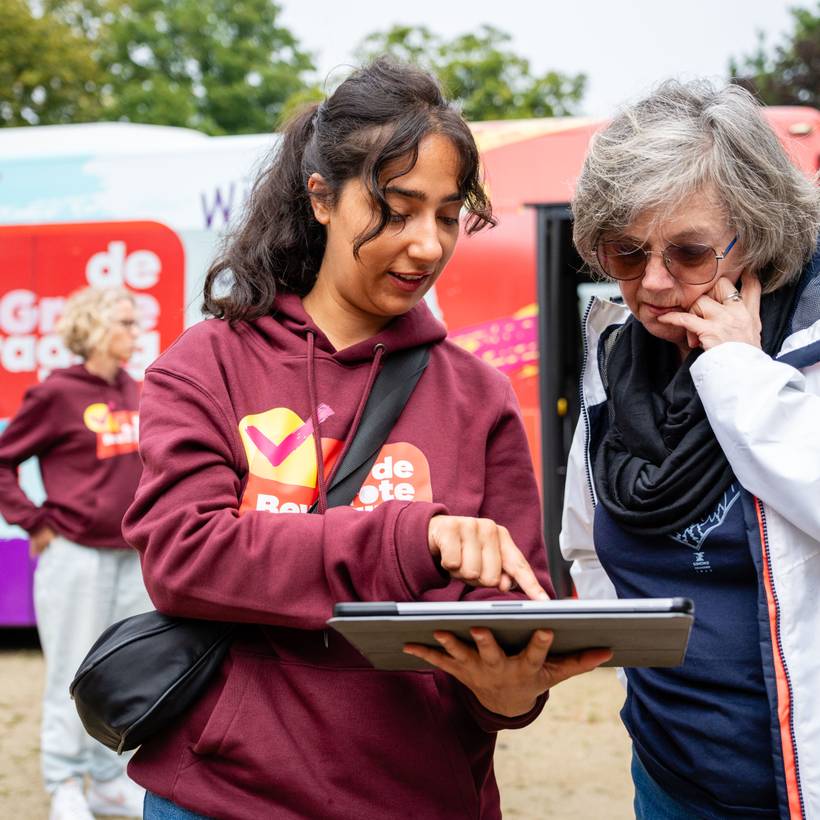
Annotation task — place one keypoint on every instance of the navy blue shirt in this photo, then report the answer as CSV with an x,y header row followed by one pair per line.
x,y
702,730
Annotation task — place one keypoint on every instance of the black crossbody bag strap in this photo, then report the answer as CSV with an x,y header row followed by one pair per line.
x,y
391,390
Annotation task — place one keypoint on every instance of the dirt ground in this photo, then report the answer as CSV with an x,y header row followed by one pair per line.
x,y
572,763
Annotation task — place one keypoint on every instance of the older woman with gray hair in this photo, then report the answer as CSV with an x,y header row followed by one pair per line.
x,y
695,468
82,425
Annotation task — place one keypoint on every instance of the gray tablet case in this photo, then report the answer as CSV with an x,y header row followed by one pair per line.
x,y
641,631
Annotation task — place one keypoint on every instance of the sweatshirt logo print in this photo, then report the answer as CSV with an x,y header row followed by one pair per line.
x,y
117,430
281,454
400,472
277,453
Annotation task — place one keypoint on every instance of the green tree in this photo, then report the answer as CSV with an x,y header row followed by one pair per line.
x,y
791,74
221,66
481,72
47,74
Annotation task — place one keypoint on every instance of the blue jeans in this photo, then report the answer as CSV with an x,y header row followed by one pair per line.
x,y
158,808
651,801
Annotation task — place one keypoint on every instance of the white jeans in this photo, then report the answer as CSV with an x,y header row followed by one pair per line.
x,y
78,592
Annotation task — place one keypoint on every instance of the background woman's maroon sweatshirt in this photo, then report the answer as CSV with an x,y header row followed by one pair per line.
x,y
297,724
84,432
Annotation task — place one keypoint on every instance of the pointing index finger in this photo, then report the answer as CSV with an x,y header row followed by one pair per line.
x,y
517,567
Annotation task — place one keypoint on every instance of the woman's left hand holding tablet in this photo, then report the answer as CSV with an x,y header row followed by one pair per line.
x,y
507,685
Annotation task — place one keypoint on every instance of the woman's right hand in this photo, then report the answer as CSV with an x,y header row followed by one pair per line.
x,y
39,540
481,553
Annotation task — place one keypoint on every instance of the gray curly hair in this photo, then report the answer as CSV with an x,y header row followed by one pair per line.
x,y
689,137
87,318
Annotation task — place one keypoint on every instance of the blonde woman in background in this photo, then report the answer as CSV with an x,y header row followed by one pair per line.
x,y
82,425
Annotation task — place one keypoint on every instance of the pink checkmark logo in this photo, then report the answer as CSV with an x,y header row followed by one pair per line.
x,y
277,453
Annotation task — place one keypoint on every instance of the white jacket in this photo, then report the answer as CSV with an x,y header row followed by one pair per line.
x,y
766,415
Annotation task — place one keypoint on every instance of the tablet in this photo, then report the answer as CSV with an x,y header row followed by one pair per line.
x,y
640,631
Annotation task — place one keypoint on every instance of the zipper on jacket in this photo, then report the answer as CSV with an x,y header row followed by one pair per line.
x,y
582,399
765,532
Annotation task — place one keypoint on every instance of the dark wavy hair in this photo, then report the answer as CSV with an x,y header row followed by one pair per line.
x,y
373,123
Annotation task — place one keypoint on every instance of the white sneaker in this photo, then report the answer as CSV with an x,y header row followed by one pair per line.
x,y
68,802
120,796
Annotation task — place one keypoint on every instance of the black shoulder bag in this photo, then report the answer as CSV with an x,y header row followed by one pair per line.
x,y
146,670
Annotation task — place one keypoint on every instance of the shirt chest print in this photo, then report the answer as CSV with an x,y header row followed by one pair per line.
x,y
696,534
281,454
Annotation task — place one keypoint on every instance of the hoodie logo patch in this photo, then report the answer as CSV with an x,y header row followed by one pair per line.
x,y
400,473
277,453
117,430
281,453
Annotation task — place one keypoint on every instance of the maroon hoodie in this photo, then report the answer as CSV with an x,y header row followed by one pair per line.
x,y
84,432
297,724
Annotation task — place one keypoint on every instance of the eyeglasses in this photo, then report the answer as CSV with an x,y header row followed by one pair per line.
x,y
128,324
692,263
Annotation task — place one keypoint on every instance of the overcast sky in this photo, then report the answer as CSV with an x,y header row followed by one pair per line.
x,y
624,46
